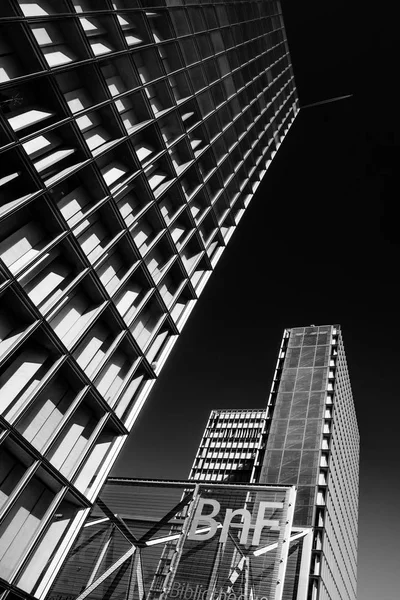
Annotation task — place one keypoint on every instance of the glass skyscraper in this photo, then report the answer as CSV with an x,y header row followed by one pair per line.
x,y
306,436
133,135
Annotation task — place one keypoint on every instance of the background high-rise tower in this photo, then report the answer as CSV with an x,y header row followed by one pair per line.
x,y
314,443
232,444
131,143
307,436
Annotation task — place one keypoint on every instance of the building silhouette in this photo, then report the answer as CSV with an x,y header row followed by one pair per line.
x,y
133,135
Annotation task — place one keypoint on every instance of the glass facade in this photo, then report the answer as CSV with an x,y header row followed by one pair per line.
x,y
294,440
133,135
313,443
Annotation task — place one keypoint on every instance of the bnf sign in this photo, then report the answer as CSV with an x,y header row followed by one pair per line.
x,y
204,526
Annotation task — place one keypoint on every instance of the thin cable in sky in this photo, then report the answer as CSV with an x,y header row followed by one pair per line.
x,y
327,101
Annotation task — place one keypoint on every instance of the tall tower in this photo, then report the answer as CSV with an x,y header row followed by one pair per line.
x,y
133,135
313,443
308,437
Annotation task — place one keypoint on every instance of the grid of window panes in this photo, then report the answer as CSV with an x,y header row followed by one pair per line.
x,y
314,443
339,507
132,138
294,441
230,445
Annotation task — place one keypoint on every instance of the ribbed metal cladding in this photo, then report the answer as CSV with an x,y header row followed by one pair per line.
x,y
173,564
293,570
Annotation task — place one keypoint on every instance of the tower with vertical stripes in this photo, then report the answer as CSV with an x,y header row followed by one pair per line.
x,y
307,436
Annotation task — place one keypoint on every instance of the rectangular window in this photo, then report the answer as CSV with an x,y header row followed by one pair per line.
x,y
21,524
73,440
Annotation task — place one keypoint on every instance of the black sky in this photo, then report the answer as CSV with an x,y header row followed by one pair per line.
x,y
318,244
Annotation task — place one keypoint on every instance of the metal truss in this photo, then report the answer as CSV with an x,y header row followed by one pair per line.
x,y
148,539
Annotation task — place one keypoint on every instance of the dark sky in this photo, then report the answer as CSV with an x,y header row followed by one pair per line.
x,y
318,244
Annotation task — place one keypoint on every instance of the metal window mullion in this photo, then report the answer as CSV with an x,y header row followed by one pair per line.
x,y
101,555
31,399
55,436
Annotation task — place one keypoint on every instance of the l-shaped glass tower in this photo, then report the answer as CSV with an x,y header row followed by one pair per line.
x,y
133,135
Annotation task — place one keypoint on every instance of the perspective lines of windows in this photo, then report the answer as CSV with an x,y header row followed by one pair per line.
x,y
133,135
